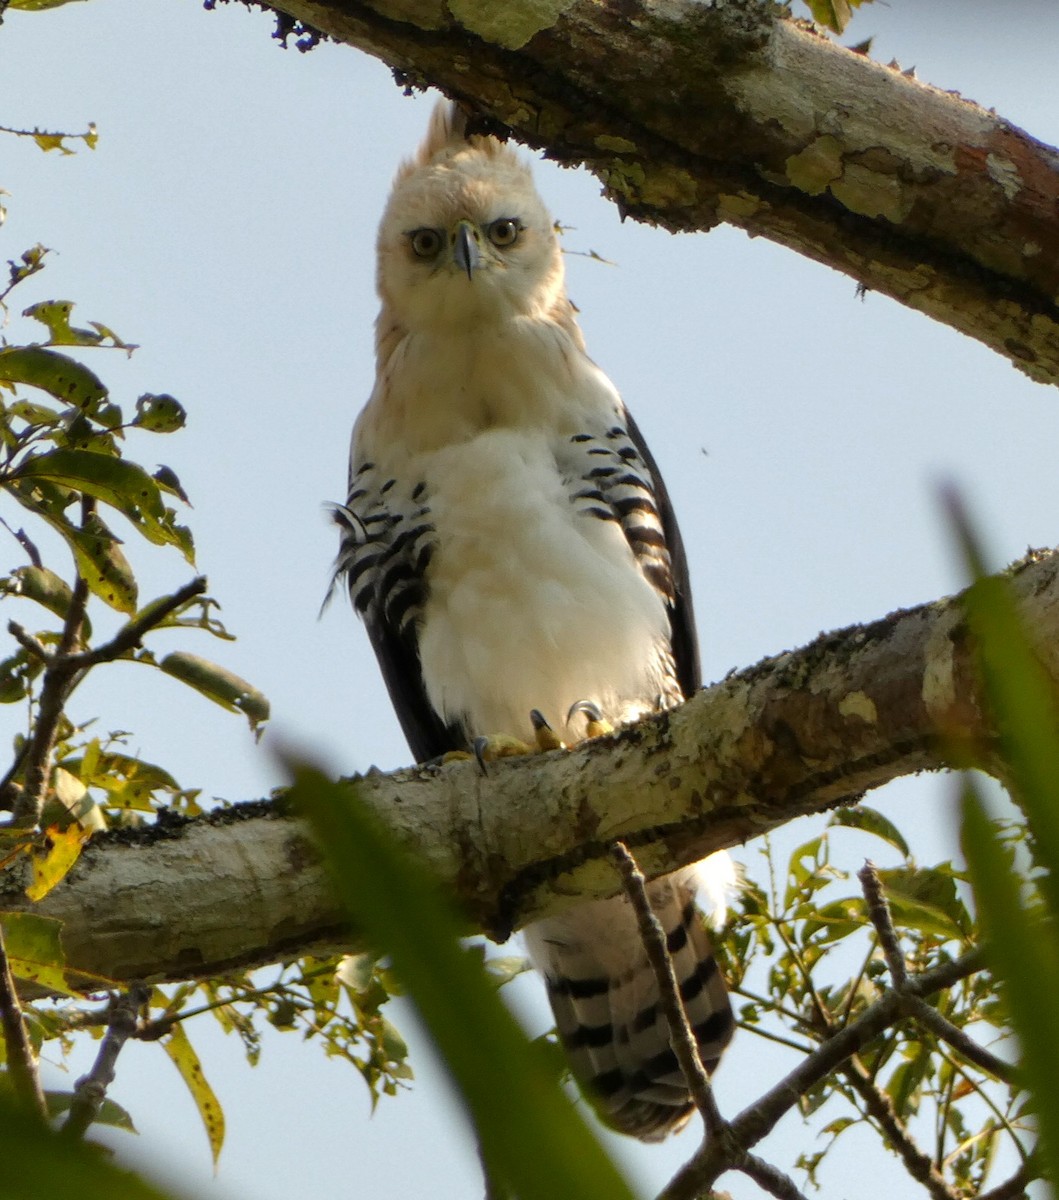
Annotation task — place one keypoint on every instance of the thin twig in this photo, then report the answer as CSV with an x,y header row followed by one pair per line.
x,y
91,1089
915,1006
21,1061
131,634
28,642
682,1040
965,1046
760,1118
879,913
771,1179
64,671
55,688
918,1163
1015,1187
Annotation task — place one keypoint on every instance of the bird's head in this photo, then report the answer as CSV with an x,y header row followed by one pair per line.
x,y
465,239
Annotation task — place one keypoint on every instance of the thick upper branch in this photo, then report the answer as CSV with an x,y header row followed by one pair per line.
x,y
693,113
796,734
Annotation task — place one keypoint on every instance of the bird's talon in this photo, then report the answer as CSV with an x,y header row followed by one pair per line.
x,y
545,737
498,745
596,724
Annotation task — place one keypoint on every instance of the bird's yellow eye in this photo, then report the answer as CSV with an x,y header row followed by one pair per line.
x,y
426,243
504,232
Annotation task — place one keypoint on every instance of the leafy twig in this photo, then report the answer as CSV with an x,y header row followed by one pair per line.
x,y
965,1046
65,669
21,1061
914,1005
718,1131
91,1089
879,915
55,688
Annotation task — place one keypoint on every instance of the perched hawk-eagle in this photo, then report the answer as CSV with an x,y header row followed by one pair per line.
x,y
510,545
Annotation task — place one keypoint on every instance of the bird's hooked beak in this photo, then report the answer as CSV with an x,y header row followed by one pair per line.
x,y
465,252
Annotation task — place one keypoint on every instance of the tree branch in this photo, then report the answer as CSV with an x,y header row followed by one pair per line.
x,y
699,1174
681,1039
880,1108
91,1089
912,191
800,733
717,1130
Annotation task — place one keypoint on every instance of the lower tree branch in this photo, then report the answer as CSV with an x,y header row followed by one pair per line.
x,y
803,732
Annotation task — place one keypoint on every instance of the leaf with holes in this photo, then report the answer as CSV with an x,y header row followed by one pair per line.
x,y
51,865
181,1051
57,374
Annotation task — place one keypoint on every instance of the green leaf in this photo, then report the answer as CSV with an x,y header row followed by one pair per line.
x,y
58,475
110,1113
868,820
1022,703
40,1164
159,414
116,482
34,949
223,687
187,1063
57,374
1025,955
101,562
49,590
835,14
534,1140
52,864
17,674
167,480
925,898
55,314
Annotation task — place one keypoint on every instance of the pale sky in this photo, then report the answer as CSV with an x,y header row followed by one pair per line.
x,y
226,224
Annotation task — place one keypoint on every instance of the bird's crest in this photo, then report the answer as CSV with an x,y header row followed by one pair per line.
x,y
447,135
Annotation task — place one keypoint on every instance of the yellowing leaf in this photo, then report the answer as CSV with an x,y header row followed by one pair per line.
x,y
34,949
187,1063
102,563
51,866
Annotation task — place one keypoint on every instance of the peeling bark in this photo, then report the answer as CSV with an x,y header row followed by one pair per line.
x,y
800,733
694,113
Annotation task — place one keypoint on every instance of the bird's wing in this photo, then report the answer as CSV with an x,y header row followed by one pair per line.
x,y
619,480
683,634
386,543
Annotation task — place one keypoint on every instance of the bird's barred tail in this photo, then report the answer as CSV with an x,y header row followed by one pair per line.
x,y
605,1000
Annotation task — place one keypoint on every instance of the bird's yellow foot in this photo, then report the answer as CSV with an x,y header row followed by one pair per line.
x,y
503,745
596,725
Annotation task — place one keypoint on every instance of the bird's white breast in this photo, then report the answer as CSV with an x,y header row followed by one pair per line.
x,y
530,603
